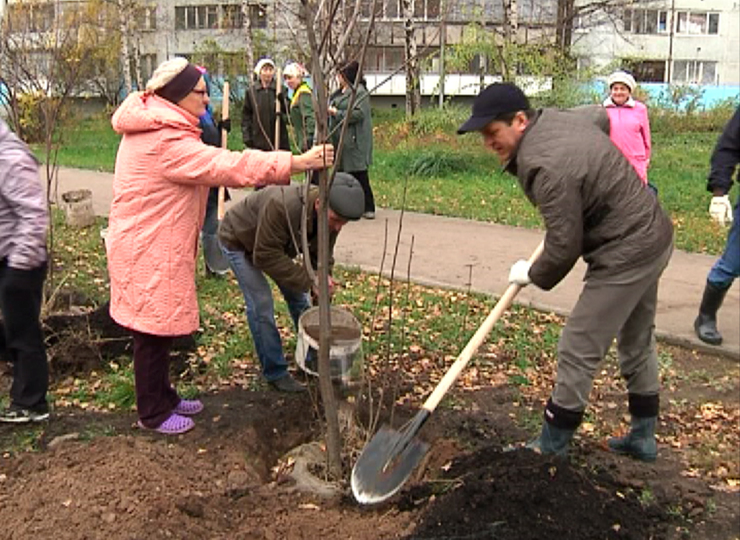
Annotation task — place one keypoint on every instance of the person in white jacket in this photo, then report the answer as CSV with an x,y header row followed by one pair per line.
x,y
24,219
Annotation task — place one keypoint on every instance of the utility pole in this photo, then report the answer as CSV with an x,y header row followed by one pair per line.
x,y
669,69
442,43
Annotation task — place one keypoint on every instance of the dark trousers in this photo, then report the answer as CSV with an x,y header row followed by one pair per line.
x,y
155,397
364,180
20,303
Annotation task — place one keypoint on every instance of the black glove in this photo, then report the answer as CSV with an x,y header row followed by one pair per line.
x,y
225,125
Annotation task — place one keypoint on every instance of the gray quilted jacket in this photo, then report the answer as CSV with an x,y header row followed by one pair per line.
x,y
24,217
592,201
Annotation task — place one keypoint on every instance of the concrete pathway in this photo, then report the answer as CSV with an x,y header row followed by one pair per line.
x,y
462,254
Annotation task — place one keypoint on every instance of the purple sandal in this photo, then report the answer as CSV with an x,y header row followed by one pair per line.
x,y
188,407
174,425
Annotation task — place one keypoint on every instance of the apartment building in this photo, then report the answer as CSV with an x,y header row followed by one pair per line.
x,y
676,41
666,41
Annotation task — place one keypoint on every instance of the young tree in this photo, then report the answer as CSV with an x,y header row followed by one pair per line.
x,y
44,47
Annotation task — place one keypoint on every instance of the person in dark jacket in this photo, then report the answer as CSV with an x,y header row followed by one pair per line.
x,y
261,236
593,206
259,111
357,150
724,162
24,220
215,262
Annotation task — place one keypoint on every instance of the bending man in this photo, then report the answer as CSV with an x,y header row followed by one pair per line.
x,y
261,236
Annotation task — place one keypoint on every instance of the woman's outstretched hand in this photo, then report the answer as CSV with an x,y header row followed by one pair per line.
x,y
319,157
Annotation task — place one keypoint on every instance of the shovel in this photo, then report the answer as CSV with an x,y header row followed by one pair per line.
x,y
392,455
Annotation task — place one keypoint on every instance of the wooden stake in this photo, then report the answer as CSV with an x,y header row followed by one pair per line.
x,y
224,144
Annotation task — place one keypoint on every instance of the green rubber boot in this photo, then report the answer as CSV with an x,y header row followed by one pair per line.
x,y
552,440
640,442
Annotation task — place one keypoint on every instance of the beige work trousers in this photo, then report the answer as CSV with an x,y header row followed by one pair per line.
x,y
620,305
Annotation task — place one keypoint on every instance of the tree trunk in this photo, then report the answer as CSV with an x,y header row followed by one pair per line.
x,y
511,29
564,25
124,18
413,89
333,436
247,27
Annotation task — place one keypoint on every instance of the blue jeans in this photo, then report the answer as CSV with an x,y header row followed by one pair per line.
x,y
261,313
727,267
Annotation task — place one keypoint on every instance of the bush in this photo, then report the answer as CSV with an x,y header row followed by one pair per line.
x,y
436,162
669,120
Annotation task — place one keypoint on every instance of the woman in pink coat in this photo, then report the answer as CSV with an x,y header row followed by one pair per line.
x,y
162,176
630,128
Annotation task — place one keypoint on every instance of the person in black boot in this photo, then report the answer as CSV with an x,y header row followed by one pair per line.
x,y
594,206
24,220
724,161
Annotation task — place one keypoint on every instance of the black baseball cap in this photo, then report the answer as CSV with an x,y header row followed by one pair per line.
x,y
493,102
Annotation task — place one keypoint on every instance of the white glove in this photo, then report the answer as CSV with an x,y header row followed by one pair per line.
x,y
519,273
721,209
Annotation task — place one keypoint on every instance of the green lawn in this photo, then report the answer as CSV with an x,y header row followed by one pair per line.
x,y
437,172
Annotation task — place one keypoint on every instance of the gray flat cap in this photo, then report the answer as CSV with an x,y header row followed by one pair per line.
x,y
346,197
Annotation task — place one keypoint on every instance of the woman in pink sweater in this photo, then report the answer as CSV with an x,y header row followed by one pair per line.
x,y
160,189
630,128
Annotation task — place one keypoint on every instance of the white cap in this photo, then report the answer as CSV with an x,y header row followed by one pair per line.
x,y
294,69
262,63
622,77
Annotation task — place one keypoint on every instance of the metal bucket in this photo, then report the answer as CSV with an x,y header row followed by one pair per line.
x,y
345,350
78,208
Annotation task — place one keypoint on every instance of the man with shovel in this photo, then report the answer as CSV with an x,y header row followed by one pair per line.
x,y
594,206
261,236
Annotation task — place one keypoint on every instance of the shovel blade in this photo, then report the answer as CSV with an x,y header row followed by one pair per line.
x,y
215,258
385,464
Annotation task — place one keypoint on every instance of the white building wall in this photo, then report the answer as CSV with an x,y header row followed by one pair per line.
x,y
608,43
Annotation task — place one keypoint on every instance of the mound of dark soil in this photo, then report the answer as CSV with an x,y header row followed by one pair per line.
x,y
80,342
501,495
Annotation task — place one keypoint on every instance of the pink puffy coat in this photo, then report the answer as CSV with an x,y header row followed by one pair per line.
x,y
630,132
163,172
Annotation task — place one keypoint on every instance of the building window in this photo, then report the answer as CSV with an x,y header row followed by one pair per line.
x,y
196,17
258,15
232,17
713,27
393,9
697,23
647,70
426,9
645,21
37,17
147,65
146,18
694,72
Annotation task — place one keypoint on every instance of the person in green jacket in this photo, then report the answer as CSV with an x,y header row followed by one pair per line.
x,y
261,237
357,148
301,106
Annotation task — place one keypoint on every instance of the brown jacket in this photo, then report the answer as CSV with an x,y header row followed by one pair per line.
x,y
266,225
592,201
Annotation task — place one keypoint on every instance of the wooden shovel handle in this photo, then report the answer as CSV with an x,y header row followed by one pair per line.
x,y
224,144
477,340
278,107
